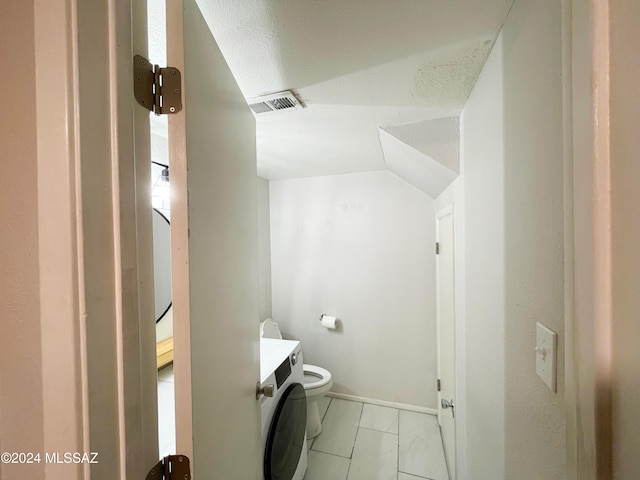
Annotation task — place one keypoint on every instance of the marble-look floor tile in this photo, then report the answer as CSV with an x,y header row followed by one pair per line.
x,y
382,419
375,456
323,405
322,466
339,428
420,450
406,476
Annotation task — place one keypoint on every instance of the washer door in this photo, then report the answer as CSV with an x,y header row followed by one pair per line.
x,y
286,435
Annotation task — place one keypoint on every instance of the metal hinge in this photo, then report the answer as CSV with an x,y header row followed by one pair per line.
x,y
437,248
439,385
157,89
171,467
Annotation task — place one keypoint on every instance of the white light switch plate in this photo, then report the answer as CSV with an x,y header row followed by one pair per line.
x,y
546,346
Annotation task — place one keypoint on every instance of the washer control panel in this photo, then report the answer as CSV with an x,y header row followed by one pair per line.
x,y
283,372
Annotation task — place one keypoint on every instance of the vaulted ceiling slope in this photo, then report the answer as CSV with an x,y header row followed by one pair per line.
x,y
356,65
425,154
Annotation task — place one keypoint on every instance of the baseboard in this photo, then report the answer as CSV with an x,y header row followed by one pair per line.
x,y
383,403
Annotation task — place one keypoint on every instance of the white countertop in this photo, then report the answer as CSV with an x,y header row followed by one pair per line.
x,y
272,353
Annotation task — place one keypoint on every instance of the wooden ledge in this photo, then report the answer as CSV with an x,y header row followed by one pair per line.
x,y
164,352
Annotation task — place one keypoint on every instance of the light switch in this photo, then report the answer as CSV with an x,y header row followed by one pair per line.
x,y
546,346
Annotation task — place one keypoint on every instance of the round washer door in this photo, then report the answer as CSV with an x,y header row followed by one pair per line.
x,y
285,440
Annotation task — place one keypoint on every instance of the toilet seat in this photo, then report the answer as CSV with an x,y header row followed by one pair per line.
x,y
323,376
315,387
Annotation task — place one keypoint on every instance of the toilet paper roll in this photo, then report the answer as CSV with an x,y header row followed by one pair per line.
x,y
328,322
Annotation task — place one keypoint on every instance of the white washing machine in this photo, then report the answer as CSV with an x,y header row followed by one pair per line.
x,y
284,415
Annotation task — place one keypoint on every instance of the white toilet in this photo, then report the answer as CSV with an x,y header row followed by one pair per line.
x,y
317,381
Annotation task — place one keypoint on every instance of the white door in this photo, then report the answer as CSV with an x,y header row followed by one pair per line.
x,y
212,157
446,335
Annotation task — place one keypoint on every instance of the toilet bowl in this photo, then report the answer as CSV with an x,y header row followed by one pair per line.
x,y
317,381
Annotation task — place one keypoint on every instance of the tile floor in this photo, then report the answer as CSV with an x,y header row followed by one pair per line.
x,y
358,441
368,442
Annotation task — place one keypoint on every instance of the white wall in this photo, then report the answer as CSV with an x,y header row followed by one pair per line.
x,y
512,128
264,246
483,173
535,417
164,328
358,246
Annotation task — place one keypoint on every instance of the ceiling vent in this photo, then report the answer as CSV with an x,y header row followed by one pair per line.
x,y
274,103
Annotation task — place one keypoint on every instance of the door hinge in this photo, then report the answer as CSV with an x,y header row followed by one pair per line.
x,y
439,385
157,89
437,248
171,467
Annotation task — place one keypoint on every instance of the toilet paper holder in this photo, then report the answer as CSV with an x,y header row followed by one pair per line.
x,y
328,321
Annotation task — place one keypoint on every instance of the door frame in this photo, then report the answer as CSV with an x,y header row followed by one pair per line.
x,y
109,120
448,210
56,25
587,229
91,224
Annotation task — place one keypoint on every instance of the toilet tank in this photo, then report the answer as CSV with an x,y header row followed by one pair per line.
x,y
269,329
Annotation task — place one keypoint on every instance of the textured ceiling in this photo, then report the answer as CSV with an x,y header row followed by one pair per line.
x,y
356,65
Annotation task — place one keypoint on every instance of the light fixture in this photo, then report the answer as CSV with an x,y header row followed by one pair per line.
x,y
164,176
160,192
